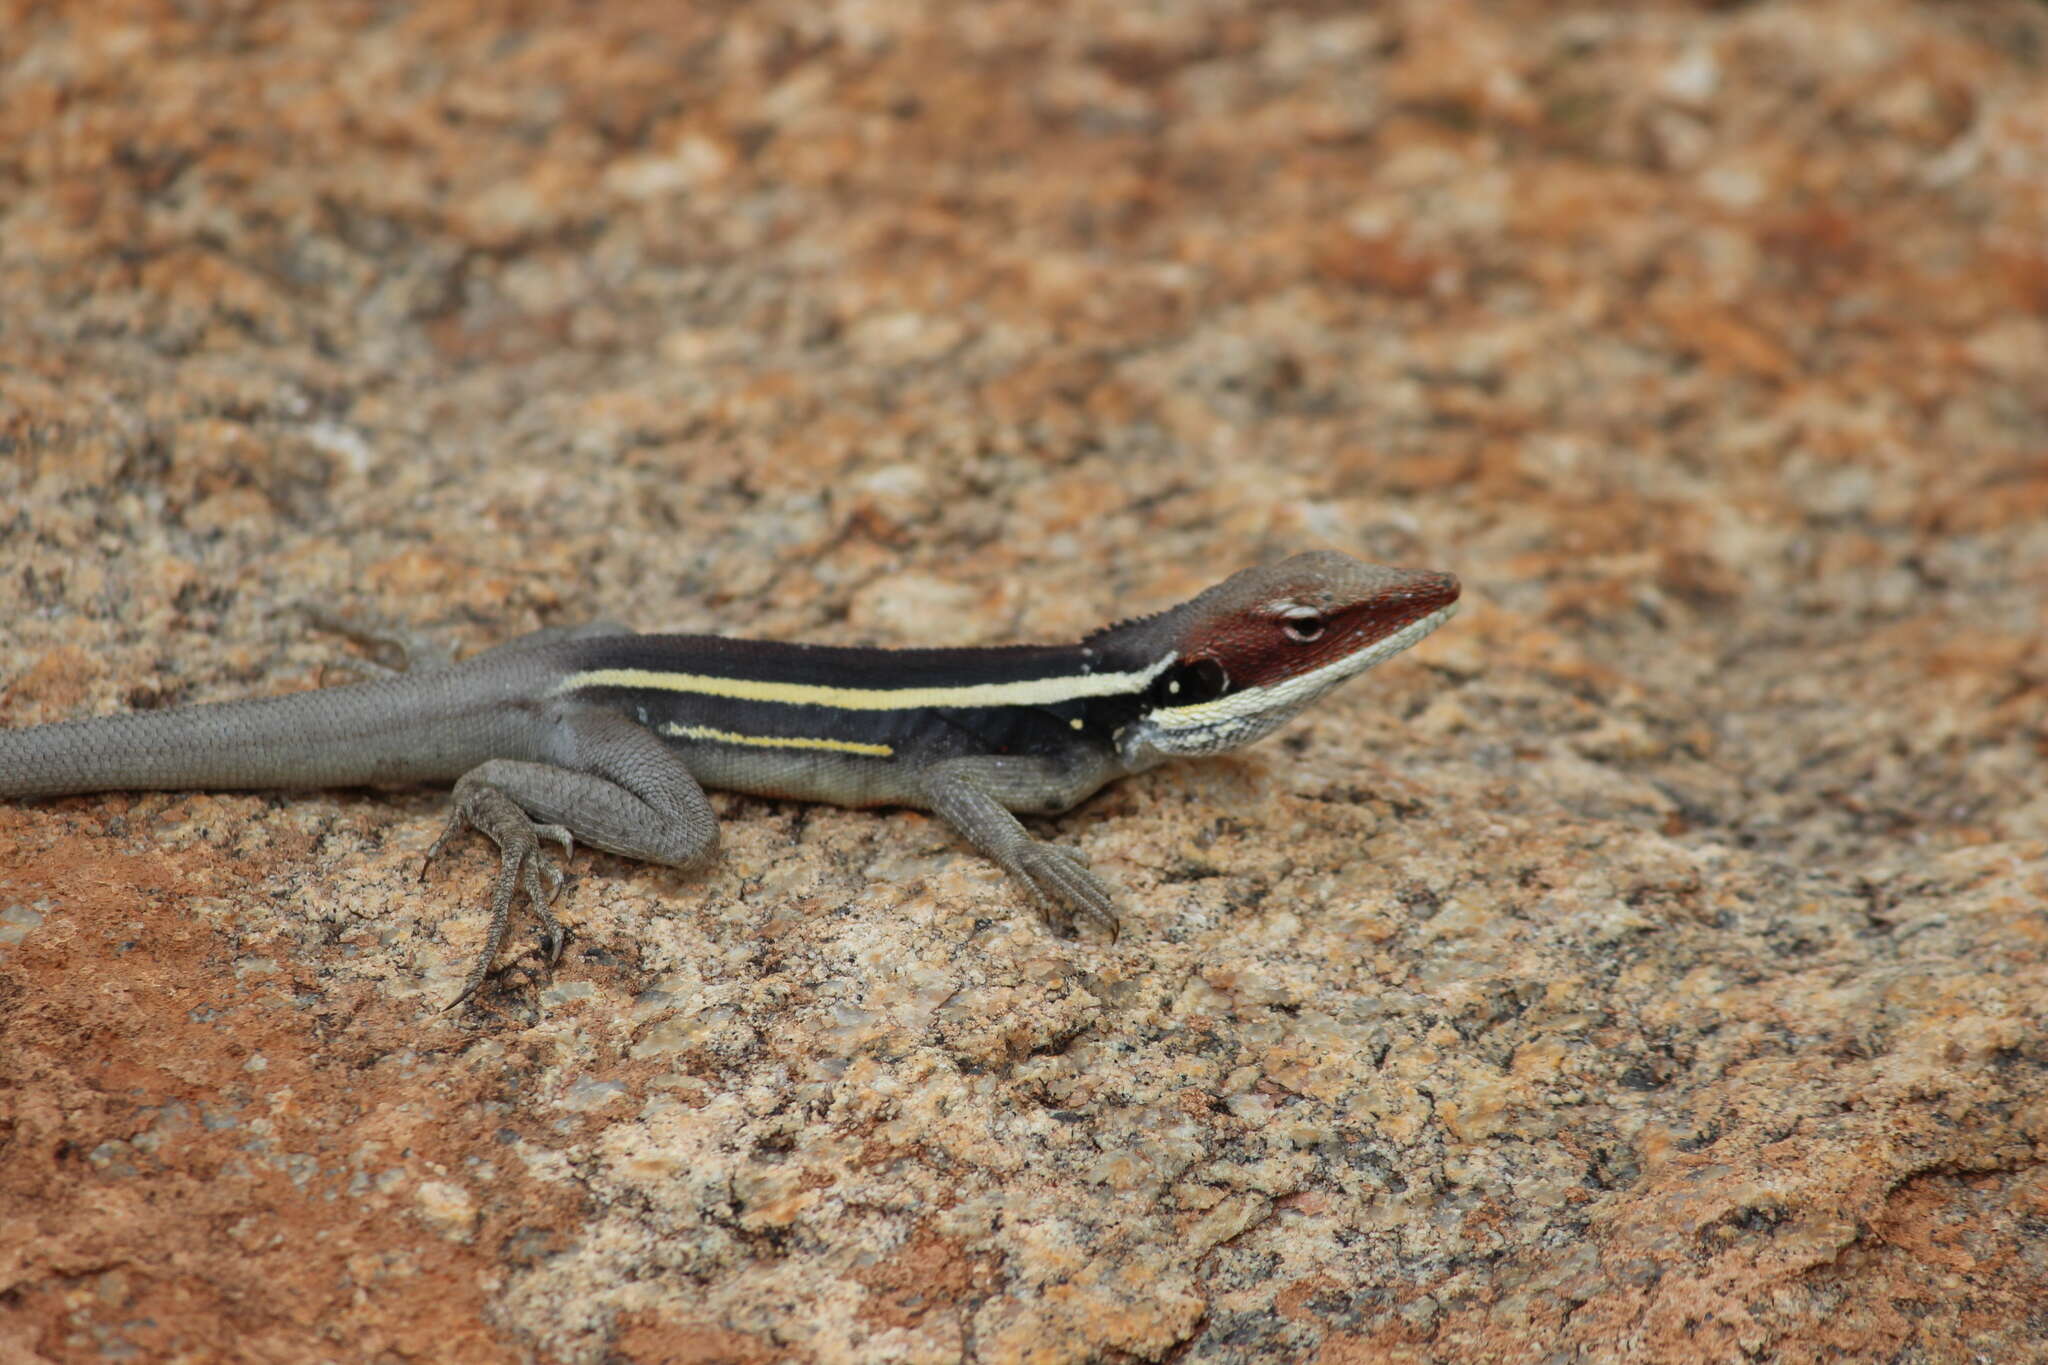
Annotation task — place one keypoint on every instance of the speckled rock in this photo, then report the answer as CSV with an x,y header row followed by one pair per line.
x,y
1651,966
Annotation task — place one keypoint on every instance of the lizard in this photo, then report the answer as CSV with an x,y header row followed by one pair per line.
x,y
610,737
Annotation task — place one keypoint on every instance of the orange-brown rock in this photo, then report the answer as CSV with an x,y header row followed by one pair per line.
x,y
1653,966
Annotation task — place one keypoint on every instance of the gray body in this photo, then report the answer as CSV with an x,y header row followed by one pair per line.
x,y
610,737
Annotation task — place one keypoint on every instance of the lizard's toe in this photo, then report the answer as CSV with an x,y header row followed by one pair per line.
x,y
1070,890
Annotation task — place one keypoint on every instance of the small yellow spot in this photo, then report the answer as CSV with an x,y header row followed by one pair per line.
x,y
1174,687
1076,723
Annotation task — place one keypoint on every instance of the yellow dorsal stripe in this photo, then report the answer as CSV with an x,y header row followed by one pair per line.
x,y
838,746
1027,692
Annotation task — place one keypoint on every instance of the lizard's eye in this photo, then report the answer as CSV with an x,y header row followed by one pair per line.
x,y
1302,625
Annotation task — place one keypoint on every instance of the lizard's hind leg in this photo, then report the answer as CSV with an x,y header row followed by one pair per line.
x,y
601,779
412,652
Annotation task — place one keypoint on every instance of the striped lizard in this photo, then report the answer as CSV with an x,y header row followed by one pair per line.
x,y
602,735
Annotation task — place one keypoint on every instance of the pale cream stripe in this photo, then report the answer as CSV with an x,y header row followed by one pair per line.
x,y
843,746
1029,692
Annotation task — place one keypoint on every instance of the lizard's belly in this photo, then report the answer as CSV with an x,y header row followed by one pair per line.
x,y
838,777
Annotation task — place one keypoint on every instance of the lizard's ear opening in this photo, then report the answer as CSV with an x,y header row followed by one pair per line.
x,y
1190,683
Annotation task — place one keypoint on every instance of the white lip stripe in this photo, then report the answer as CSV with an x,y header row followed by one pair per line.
x,y
1030,692
1302,687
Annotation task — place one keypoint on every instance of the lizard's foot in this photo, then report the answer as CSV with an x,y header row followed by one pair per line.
x,y
522,865
1066,888
413,653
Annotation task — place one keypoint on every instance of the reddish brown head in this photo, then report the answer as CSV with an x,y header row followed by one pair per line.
x,y
1243,657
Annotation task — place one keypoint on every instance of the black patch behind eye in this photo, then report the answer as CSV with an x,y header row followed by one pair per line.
x,y
1187,684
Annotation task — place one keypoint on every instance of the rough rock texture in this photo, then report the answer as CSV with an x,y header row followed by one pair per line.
x,y
1653,966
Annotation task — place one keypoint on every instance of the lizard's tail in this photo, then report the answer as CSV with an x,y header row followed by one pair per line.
x,y
424,728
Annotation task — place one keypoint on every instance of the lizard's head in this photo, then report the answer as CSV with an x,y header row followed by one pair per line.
x,y
1246,655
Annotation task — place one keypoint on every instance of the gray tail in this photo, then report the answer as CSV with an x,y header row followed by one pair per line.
x,y
426,728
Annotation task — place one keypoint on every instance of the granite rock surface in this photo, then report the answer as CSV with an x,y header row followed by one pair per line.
x,y
1651,966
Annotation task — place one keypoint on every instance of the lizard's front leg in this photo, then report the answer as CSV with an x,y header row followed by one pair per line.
x,y
606,781
975,796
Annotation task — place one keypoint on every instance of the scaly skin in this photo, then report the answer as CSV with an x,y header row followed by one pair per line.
x,y
608,737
